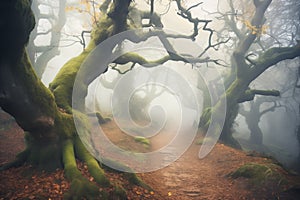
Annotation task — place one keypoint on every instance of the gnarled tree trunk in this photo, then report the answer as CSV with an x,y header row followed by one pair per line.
x,y
237,85
45,116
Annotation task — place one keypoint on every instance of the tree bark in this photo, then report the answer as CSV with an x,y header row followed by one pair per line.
x,y
237,85
46,117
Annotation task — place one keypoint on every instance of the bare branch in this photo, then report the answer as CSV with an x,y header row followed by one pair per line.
x,y
82,42
271,109
186,14
257,21
194,6
115,67
250,94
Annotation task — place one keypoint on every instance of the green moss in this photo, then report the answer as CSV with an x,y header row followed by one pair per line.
x,y
70,167
62,86
40,96
64,126
142,140
226,135
258,173
82,189
119,192
92,164
101,31
205,118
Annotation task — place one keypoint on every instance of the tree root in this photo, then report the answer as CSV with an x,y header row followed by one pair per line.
x,y
93,166
80,186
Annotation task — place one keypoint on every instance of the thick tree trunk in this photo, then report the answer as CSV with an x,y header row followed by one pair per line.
x,y
252,118
252,121
33,107
47,119
233,95
256,136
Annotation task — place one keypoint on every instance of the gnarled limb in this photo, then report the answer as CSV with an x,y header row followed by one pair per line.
x,y
51,136
250,94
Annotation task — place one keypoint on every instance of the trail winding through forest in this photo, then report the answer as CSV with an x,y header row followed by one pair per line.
x,y
187,178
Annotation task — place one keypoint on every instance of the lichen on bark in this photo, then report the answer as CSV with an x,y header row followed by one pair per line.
x,y
46,116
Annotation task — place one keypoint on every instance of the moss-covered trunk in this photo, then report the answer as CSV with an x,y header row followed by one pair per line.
x,y
45,116
33,107
233,95
244,72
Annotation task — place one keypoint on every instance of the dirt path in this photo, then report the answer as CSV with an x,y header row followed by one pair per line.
x,y
187,178
191,178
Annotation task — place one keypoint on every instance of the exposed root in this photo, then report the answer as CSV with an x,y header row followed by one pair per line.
x,y
93,165
80,186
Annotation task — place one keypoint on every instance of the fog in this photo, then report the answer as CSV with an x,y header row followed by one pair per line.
x,y
278,126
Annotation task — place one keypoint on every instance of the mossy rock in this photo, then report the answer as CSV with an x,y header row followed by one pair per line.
x,y
259,174
142,140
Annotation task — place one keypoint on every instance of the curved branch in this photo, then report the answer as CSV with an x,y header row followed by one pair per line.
x,y
273,56
271,109
123,72
250,94
136,58
186,14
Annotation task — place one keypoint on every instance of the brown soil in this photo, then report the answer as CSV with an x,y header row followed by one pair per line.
x,y
187,178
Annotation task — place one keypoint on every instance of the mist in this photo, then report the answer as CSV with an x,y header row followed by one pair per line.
x,y
279,126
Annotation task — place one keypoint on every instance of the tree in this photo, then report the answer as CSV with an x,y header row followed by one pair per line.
x,y
244,70
39,54
46,114
253,116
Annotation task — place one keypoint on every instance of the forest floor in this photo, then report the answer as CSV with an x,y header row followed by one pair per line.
x,y
187,178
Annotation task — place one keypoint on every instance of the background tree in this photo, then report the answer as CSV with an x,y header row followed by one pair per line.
x,y
252,118
49,23
46,115
50,132
245,70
